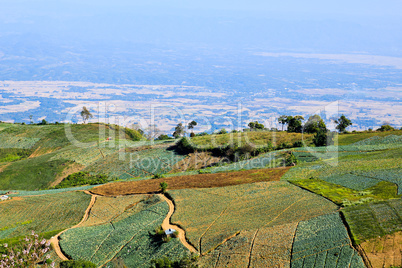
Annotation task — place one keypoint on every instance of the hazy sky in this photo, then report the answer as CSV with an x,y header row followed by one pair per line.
x,y
375,8
315,25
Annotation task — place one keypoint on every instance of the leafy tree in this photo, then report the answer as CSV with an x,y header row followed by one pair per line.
x,y
178,131
385,127
191,125
283,119
320,138
315,124
222,131
43,122
295,123
343,123
85,114
163,185
255,125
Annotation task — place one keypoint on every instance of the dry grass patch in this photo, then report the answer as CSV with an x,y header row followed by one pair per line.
x,y
191,181
384,251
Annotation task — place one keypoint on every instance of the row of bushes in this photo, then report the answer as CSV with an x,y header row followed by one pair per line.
x,y
83,178
231,151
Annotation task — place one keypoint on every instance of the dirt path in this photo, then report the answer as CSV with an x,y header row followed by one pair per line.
x,y
55,239
166,224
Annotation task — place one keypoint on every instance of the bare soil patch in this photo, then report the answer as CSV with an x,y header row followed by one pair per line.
x,y
191,181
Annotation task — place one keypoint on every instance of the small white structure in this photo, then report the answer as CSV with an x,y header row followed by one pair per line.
x,y
4,197
170,231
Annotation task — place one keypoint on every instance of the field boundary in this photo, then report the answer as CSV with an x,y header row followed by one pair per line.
x,y
55,239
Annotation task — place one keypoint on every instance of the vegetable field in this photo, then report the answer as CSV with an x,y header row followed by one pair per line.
x,y
212,215
11,141
138,164
265,247
41,213
372,220
324,242
125,236
106,209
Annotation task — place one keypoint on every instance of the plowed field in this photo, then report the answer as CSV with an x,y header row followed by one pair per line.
x,y
191,181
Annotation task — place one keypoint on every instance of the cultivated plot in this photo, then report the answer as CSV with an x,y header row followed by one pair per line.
x,y
211,216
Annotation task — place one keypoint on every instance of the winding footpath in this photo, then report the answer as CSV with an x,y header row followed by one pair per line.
x,y
55,239
166,224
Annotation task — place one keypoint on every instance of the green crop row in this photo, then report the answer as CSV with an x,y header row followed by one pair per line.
x,y
324,242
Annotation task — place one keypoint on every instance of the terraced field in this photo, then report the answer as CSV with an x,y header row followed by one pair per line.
x,y
210,216
125,237
45,213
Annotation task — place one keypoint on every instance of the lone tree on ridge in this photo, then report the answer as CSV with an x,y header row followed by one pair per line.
x,y
86,114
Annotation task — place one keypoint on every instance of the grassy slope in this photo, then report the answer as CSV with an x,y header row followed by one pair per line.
x,y
43,144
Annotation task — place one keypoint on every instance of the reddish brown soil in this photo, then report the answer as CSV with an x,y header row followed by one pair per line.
x,y
191,181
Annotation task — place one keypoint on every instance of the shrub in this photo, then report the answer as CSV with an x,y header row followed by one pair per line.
x,y
77,264
290,160
385,127
163,186
158,176
298,144
185,262
163,137
83,178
